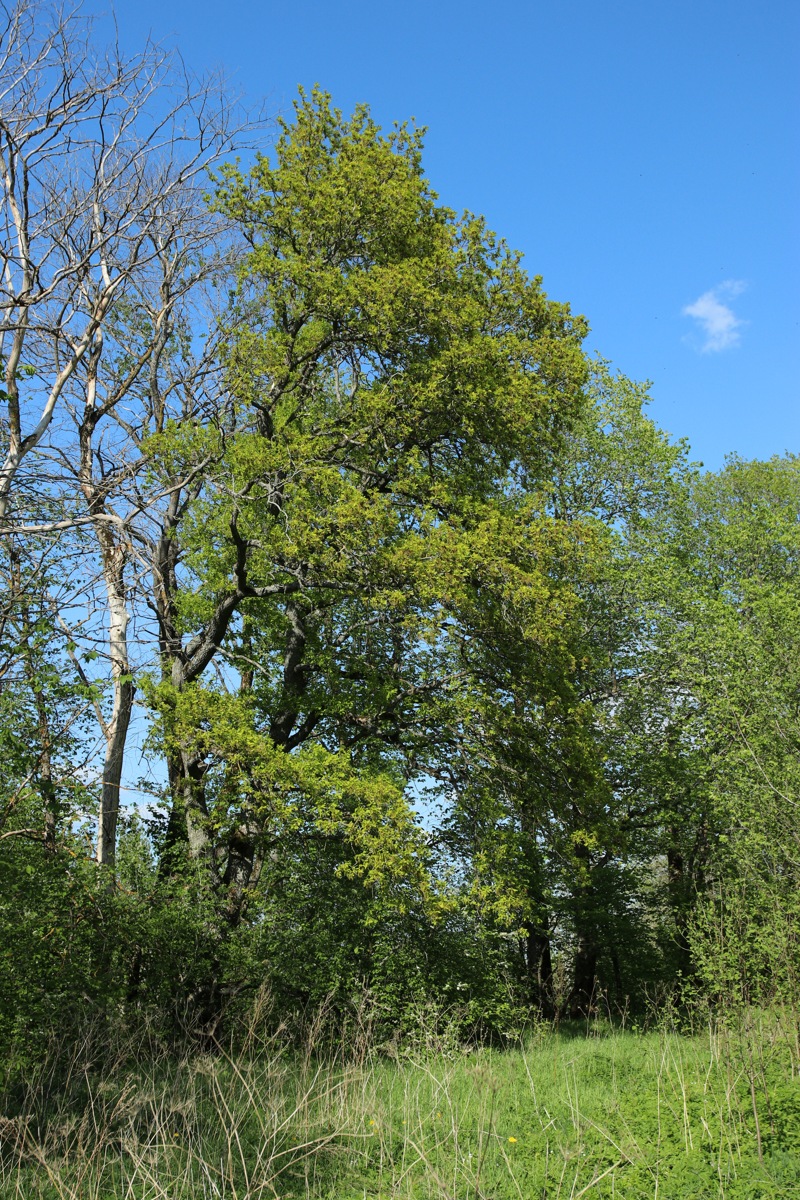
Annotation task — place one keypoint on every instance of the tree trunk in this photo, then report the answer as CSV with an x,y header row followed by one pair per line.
x,y
116,730
238,872
188,814
194,805
113,557
678,890
540,970
615,966
582,997
581,1001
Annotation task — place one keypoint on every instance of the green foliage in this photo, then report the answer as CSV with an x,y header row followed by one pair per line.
x,y
560,796
741,652
614,1115
468,688
399,391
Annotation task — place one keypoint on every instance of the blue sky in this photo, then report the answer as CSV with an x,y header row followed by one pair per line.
x,y
643,156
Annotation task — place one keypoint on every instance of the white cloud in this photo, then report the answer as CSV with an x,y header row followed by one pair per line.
x,y
719,324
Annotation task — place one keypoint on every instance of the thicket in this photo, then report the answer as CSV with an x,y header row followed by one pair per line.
x,y
359,635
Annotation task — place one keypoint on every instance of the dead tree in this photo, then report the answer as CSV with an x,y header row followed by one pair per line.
x,y
103,236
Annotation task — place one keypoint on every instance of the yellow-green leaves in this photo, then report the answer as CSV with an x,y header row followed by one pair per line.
x,y
378,494
314,792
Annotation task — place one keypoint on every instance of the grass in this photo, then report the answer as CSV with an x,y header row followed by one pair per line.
x,y
569,1113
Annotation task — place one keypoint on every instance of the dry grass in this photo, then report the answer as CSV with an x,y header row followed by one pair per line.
x,y
565,1115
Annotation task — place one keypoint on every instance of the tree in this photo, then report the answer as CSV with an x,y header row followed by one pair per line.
x,y
737,649
104,235
395,376
558,779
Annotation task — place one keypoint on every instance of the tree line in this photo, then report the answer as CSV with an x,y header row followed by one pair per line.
x,y
358,629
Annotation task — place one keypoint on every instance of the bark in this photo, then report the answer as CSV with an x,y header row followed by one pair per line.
x,y
194,805
242,842
678,891
113,558
581,1001
283,730
582,998
116,731
242,839
615,966
238,871
540,970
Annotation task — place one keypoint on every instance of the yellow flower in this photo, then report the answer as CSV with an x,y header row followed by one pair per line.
x,y
512,1139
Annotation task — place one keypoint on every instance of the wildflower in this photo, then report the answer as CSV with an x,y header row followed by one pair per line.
x,y
512,1139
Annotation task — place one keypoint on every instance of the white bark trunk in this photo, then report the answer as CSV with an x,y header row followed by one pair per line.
x,y
116,730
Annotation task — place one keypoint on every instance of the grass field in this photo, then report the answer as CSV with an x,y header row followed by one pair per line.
x,y
579,1111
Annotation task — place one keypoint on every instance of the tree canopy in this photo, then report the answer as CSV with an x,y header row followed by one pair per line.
x,y
455,678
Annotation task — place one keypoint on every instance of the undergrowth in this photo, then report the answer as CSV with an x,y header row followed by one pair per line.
x,y
588,1110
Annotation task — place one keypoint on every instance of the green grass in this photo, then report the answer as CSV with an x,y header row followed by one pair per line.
x,y
566,1114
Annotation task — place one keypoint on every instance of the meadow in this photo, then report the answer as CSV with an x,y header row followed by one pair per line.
x,y
580,1110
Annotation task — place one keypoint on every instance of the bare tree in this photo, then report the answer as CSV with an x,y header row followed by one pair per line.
x,y
134,516
103,237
